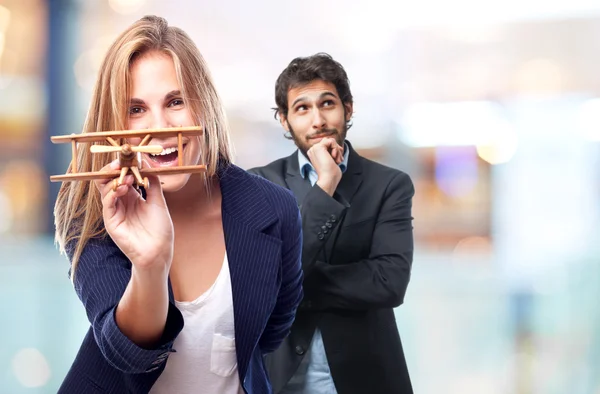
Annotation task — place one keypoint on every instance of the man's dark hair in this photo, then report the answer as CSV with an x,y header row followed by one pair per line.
x,y
303,70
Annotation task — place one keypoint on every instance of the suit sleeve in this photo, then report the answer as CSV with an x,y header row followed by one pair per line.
x,y
381,280
290,293
101,277
321,213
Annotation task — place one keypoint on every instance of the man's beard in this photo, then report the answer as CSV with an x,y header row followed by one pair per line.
x,y
303,144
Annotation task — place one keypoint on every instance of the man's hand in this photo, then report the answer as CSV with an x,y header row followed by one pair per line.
x,y
325,156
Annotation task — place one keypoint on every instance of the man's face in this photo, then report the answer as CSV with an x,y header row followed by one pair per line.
x,y
315,111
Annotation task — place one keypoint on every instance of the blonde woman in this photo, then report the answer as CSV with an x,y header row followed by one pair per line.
x,y
188,285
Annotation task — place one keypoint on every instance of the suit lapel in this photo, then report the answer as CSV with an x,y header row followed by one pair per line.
x,y
298,185
352,178
253,258
347,188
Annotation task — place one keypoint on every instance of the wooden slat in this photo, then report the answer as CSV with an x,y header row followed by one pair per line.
x,y
87,176
102,135
112,141
179,150
74,155
174,170
146,140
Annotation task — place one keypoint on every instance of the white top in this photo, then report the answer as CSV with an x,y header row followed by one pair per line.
x,y
205,358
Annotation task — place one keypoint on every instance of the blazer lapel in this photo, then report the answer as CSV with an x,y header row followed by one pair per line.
x,y
253,258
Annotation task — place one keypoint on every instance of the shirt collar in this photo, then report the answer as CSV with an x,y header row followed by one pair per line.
x,y
305,166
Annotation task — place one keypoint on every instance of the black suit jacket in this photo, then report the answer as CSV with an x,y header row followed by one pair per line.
x,y
357,257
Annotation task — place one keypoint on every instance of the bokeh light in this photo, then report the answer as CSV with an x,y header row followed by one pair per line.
x,y
31,368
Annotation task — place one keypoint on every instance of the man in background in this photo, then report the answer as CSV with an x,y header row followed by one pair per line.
x,y
357,244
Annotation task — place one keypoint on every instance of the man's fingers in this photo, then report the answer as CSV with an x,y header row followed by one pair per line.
x,y
334,149
335,154
327,147
340,154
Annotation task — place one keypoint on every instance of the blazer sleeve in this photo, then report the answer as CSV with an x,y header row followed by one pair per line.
x,y
101,277
381,280
290,293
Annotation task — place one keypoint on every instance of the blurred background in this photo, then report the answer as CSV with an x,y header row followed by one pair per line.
x,y
492,107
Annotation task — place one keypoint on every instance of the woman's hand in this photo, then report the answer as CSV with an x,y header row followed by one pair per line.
x,y
142,229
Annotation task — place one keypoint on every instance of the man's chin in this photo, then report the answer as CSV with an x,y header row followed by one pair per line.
x,y
313,141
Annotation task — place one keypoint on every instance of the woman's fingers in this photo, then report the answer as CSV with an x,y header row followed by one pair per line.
x,y
100,183
108,193
154,193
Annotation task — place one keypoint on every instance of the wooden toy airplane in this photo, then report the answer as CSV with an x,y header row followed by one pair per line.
x,y
129,156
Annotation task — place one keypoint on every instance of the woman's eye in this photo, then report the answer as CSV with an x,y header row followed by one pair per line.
x,y
176,102
135,110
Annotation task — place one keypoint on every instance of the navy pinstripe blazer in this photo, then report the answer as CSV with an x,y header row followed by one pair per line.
x,y
263,238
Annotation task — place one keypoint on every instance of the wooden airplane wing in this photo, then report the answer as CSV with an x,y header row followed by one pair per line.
x,y
87,176
103,135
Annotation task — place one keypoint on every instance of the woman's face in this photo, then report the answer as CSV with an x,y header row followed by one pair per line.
x,y
157,102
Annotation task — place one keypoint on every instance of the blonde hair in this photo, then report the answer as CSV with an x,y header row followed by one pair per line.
x,y
78,209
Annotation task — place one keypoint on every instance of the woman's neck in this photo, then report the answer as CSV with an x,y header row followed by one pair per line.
x,y
200,197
